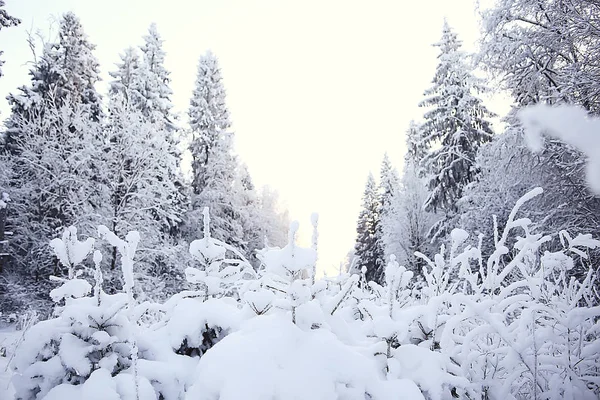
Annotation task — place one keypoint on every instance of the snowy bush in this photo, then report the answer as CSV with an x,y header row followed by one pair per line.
x,y
521,328
509,326
87,345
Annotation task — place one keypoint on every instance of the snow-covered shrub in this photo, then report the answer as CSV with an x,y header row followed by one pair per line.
x,y
223,269
522,328
514,325
84,350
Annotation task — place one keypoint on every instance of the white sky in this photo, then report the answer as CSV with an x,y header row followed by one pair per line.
x,y
318,90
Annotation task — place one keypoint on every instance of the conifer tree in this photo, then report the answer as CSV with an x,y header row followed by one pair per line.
x,y
416,148
389,186
66,73
253,225
140,195
213,164
151,94
154,86
127,78
455,122
368,249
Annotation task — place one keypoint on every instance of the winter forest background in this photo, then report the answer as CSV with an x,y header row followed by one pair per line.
x,y
138,260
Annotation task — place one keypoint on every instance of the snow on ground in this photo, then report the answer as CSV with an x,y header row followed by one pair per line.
x,y
9,339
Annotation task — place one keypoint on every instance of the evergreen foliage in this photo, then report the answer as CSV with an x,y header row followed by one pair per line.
x,y
456,124
368,250
213,163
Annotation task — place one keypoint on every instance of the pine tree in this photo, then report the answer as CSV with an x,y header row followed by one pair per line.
x,y
416,148
140,193
455,125
253,224
149,92
389,187
208,114
213,164
6,21
127,78
369,251
154,86
66,73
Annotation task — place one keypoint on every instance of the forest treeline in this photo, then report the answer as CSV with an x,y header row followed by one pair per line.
x,y
474,274
459,172
73,156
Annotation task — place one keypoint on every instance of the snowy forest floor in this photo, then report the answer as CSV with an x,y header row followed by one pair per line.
x,y
9,339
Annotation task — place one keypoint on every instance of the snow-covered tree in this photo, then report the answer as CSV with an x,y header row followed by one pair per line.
x,y
368,250
213,164
455,125
65,73
389,188
508,170
544,51
140,195
416,146
155,102
53,144
6,21
275,218
128,78
209,116
254,217
412,222
53,180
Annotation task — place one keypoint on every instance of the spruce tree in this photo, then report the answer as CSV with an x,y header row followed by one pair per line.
x,y
213,163
155,102
248,205
389,186
141,195
259,216
66,73
128,78
368,250
456,124
416,148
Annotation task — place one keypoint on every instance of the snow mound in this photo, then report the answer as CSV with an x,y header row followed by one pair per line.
x,y
290,363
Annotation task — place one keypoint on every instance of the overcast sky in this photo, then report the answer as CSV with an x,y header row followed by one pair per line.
x,y
318,90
